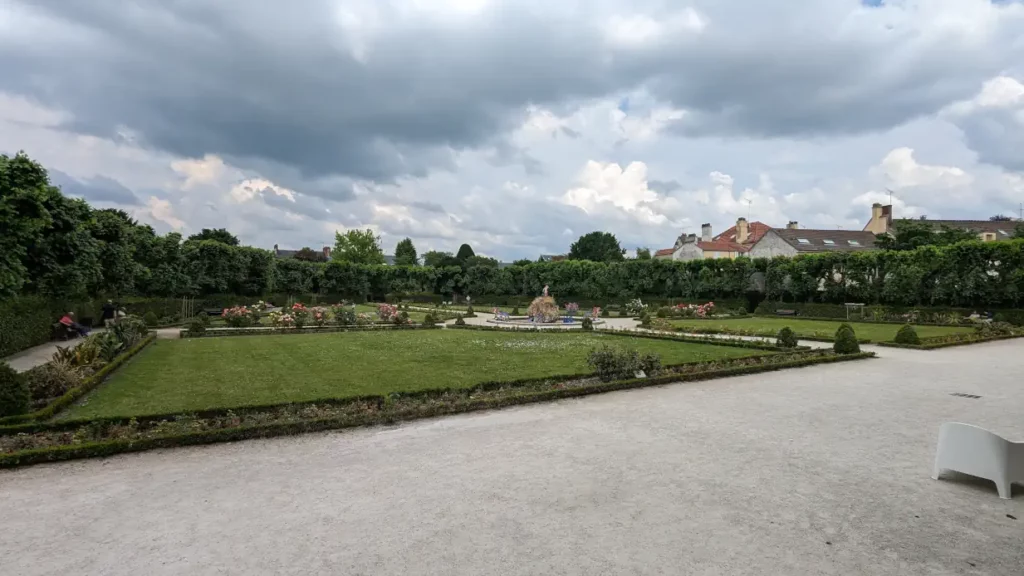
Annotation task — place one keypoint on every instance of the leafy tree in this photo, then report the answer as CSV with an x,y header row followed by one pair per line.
x,y
65,260
23,217
473,261
405,253
217,235
913,234
1000,218
357,247
116,232
597,247
522,262
1018,231
307,254
439,259
643,253
465,251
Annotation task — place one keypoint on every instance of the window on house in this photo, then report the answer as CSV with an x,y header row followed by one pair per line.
x,y
829,242
853,243
803,240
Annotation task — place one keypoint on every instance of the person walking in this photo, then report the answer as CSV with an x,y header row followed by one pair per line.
x,y
108,313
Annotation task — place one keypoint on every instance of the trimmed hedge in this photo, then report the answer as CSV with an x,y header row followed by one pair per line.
x,y
221,332
87,385
945,342
759,334
388,410
927,316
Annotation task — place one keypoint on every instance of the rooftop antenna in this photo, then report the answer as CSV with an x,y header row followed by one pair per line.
x,y
1022,210
750,202
892,208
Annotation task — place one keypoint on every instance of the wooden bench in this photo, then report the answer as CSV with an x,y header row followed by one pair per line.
x,y
785,312
62,332
213,311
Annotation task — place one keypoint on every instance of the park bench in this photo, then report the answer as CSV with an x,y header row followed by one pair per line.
x,y
62,332
213,311
785,312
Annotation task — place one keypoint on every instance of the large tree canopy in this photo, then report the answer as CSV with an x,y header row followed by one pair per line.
x,y
357,247
597,247
217,235
912,234
438,259
405,253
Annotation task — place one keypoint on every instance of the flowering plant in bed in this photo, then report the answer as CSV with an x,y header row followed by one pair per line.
x,y
300,314
572,308
344,314
319,316
280,319
363,319
237,317
386,312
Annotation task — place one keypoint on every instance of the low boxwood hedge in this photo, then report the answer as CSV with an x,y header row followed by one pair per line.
x,y
760,334
368,410
936,342
87,385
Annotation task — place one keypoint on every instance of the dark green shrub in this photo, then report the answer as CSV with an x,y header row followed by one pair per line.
x,y
52,379
588,324
611,363
650,363
992,329
664,312
429,320
204,318
469,312
401,319
515,311
14,394
605,313
907,335
645,319
151,319
344,316
846,340
786,338
459,321
197,325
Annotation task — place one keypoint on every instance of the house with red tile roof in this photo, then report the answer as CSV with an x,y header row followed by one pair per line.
x,y
734,242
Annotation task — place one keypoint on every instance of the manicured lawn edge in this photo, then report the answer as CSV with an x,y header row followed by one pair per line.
x,y
390,410
763,334
87,385
219,332
927,345
735,343
866,321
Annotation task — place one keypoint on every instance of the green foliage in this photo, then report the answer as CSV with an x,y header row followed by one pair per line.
x,y
216,235
614,363
14,393
52,380
597,247
307,254
522,262
587,324
151,319
465,252
357,247
405,253
429,320
913,234
515,311
846,340
473,261
469,312
459,321
907,335
786,338
643,253
664,312
437,259
197,325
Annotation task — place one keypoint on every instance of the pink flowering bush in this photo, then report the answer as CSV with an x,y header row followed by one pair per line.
x,y
318,315
695,310
237,317
344,314
300,314
363,319
280,319
387,312
572,308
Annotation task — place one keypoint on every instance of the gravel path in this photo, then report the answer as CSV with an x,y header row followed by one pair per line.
x,y
822,470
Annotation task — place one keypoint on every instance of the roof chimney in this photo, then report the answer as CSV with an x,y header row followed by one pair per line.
x,y
742,231
792,225
705,232
275,249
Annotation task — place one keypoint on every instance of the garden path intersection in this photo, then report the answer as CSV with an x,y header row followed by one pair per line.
x,y
819,470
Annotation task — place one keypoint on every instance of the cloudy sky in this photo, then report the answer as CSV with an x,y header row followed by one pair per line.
x,y
517,125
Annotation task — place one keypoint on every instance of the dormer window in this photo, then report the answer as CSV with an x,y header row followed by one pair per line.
x,y
829,242
803,240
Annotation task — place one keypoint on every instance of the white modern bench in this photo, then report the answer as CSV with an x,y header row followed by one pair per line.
x,y
971,450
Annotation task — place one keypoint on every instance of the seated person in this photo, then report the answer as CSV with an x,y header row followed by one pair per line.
x,y
69,321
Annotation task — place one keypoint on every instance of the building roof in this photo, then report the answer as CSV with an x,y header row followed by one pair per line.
x,y
1002,229
755,230
665,252
723,246
285,253
827,240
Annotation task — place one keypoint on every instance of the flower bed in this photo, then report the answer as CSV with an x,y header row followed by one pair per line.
x,y
87,385
219,332
36,443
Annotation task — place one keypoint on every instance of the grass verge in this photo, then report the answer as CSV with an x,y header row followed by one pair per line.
x,y
104,437
809,329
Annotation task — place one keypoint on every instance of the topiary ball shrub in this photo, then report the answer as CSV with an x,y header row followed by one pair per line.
x,y
150,319
469,312
14,395
645,319
429,320
605,312
588,324
664,312
846,341
907,335
198,324
786,338
459,321
515,311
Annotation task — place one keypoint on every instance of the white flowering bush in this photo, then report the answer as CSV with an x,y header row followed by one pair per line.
x,y
635,307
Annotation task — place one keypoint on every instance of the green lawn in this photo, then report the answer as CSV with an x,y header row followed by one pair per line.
x,y
816,328
205,373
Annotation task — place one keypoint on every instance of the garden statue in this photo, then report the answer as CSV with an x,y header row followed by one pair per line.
x,y
543,309
545,292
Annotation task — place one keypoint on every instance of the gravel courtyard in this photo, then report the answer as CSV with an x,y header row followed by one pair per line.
x,y
822,470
